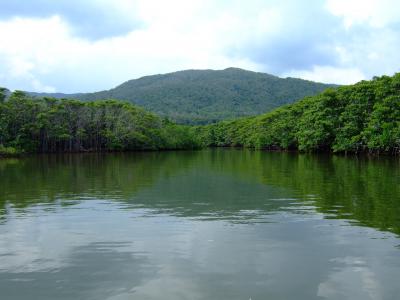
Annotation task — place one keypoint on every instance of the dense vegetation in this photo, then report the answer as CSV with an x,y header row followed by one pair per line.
x,y
359,118
364,117
207,96
51,125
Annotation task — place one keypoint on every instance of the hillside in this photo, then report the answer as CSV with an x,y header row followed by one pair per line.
x,y
364,117
207,96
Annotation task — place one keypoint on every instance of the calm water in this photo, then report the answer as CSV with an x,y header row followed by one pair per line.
x,y
213,224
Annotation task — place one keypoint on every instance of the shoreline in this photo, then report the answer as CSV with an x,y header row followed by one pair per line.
x,y
292,151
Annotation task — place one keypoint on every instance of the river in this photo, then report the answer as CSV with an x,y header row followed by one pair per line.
x,y
209,224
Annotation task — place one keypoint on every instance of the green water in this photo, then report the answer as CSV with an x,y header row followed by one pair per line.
x,y
212,224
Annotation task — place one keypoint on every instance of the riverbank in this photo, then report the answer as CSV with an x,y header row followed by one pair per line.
x,y
9,152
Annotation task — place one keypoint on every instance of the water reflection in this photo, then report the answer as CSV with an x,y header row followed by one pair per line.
x,y
216,184
217,224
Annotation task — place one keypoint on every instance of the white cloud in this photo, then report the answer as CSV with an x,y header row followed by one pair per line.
x,y
28,50
376,13
328,74
46,48
47,54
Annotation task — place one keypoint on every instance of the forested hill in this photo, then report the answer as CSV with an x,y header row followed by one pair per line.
x,y
207,96
364,117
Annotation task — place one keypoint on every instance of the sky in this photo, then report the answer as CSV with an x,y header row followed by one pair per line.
x,y
83,46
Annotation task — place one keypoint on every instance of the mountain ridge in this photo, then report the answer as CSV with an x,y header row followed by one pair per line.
x,y
206,96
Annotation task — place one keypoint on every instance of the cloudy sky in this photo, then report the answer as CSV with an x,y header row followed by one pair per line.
x,y
82,46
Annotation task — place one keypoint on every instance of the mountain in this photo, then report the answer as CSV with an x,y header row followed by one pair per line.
x,y
207,96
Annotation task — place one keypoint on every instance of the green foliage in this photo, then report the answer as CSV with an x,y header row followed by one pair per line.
x,y
364,117
3,94
383,131
49,125
359,118
319,121
8,151
207,96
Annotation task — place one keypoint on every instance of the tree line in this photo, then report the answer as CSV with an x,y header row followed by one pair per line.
x,y
364,117
199,97
46,124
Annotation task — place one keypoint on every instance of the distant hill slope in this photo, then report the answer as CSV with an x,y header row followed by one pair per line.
x,y
207,96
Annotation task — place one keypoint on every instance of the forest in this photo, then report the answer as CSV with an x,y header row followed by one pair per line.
x,y
362,118
199,97
29,125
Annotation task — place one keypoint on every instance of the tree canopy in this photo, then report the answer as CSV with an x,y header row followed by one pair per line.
x,y
51,125
364,117
207,96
